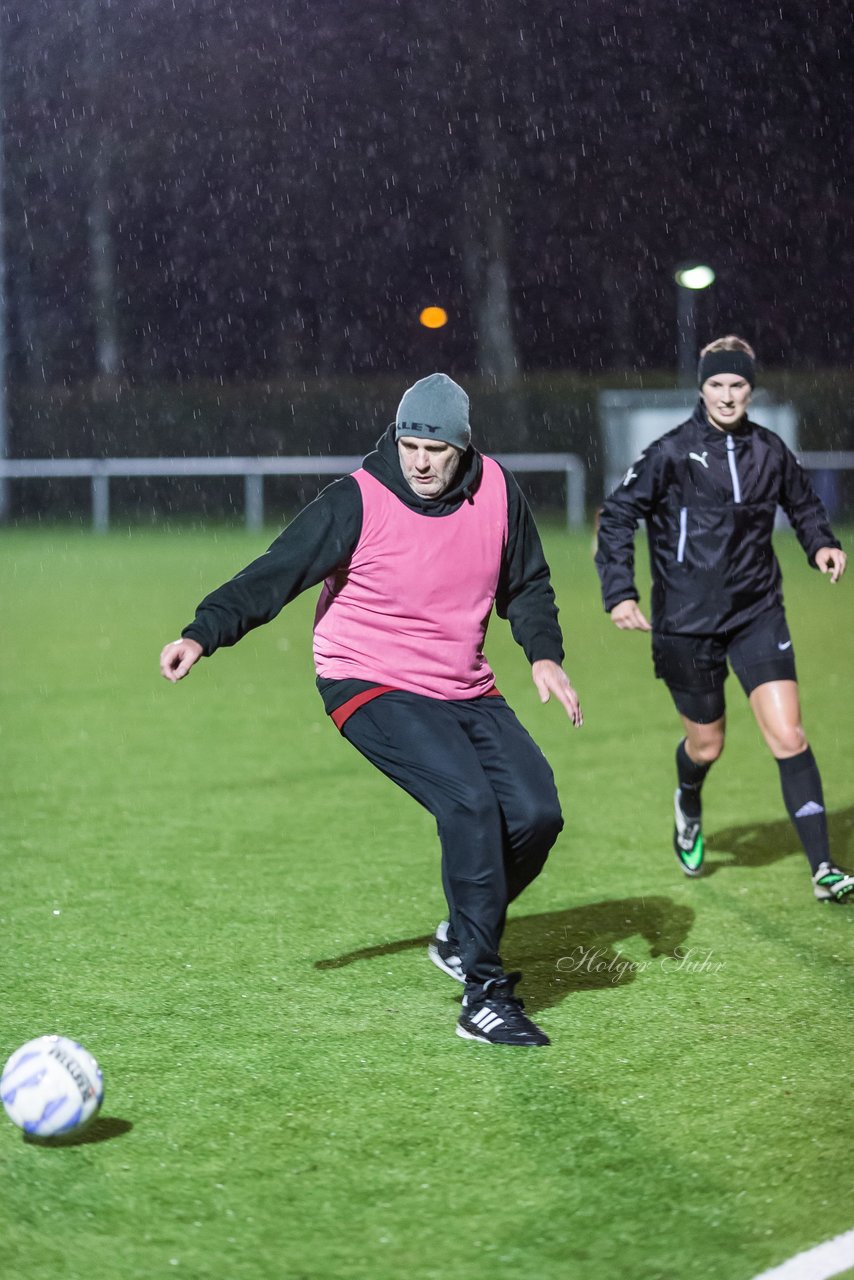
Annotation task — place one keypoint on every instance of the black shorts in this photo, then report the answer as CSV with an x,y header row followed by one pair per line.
x,y
694,668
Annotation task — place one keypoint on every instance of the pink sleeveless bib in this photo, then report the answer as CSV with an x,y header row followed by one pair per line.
x,y
411,608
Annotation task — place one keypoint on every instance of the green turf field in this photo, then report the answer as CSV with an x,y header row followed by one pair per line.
x,y
216,895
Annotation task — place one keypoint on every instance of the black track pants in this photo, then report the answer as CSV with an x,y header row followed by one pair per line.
x,y
491,791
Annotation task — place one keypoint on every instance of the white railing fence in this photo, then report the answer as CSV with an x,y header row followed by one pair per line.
x,y
100,471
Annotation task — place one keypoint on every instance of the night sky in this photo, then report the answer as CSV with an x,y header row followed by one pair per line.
x,y
259,189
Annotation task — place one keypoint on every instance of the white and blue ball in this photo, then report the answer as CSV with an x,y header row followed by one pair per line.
x,y
51,1087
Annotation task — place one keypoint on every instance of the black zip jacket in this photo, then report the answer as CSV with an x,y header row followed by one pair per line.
x,y
321,539
709,499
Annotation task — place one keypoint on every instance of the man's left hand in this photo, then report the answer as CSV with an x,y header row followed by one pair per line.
x,y
831,560
550,678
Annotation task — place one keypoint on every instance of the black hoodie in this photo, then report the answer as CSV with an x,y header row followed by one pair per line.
x,y
709,499
322,538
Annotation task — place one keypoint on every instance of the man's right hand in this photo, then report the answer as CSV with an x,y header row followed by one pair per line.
x,y
627,616
178,657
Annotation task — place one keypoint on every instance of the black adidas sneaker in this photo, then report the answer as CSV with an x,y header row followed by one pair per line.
x,y
492,1014
444,951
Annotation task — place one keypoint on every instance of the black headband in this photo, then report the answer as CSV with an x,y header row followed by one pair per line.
x,y
737,362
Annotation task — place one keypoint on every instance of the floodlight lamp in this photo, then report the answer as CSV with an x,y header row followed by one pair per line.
x,y
694,276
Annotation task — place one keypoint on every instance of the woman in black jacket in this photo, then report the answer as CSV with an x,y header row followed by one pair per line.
x,y
709,492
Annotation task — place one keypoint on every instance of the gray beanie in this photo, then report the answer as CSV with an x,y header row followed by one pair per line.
x,y
437,408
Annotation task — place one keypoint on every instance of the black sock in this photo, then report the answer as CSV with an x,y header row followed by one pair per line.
x,y
801,783
691,777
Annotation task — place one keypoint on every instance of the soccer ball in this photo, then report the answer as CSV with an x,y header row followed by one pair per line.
x,y
51,1087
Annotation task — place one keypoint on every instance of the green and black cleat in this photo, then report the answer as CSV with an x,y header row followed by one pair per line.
x,y
687,839
832,884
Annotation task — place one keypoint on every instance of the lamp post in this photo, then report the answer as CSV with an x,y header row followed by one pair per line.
x,y
691,278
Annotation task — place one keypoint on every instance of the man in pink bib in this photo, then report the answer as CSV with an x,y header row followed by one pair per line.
x,y
414,551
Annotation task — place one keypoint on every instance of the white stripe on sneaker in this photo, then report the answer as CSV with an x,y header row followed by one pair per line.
x,y
487,1020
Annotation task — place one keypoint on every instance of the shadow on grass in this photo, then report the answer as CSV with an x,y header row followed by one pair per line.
x,y
561,952
760,844
103,1129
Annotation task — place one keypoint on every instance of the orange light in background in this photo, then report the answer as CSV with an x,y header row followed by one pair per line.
x,y
433,317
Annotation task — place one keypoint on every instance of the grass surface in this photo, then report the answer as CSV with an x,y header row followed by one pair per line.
x,y
216,895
